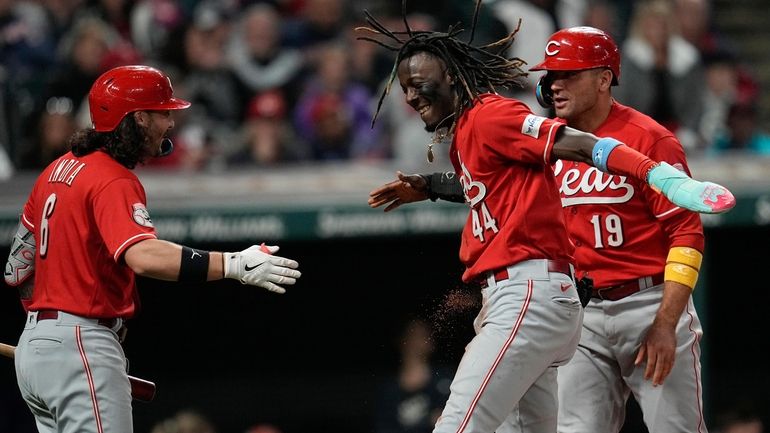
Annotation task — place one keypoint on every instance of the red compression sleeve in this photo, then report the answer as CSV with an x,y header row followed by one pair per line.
x,y
627,162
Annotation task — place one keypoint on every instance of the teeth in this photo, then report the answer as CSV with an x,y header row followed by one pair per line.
x,y
424,109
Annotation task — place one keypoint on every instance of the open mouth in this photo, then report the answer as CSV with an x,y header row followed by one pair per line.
x,y
424,110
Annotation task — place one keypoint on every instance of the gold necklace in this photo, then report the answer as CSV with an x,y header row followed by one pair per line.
x,y
439,135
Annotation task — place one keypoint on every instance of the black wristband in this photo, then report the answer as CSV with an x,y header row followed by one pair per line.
x,y
446,186
194,267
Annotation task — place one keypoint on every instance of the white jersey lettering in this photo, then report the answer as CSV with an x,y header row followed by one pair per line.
x,y
592,180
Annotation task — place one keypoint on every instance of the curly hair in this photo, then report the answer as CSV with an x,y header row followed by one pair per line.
x,y
478,69
127,144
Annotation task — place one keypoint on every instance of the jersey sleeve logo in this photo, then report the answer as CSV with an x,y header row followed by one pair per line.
x,y
531,125
141,216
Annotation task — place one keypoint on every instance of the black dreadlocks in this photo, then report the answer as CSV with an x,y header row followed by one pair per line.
x,y
477,69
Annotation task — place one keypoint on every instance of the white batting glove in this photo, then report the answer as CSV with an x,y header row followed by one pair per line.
x,y
257,266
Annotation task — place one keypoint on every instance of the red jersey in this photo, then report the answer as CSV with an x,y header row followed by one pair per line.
x,y
622,229
502,155
85,212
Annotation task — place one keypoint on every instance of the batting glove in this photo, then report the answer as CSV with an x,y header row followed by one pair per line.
x,y
257,266
683,191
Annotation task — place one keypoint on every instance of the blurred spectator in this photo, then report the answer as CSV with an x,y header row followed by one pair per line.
x,y
186,421
27,54
82,50
152,23
257,57
539,19
657,59
726,83
697,28
333,114
216,94
55,126
369,62
603,15
263,428
267,134
115,13
743,418
319,21
412,400
743,134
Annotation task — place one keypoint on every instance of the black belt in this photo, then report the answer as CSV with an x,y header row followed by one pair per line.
x,y
620,291
53,315
501,274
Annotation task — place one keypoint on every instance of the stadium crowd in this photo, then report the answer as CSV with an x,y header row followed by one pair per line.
x,y
284,81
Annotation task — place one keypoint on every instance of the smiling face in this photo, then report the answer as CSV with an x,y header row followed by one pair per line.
x,y
427,87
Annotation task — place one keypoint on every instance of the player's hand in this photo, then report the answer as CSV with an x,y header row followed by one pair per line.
x,y
407,189
257,266
659,351
683,191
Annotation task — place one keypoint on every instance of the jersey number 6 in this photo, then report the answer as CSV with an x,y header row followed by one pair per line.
x,y
50,203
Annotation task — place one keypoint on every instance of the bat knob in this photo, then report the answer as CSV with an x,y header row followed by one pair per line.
x,y
142,390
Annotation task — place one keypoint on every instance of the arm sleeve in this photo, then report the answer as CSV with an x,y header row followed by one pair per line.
x,y
683,227
666,149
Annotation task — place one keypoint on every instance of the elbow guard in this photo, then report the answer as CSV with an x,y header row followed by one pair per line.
x,y
21,259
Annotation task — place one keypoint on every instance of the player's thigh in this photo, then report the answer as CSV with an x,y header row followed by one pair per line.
x,y
592,394
538,407
676,404
99,393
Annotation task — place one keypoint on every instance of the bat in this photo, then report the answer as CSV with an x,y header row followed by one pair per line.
x,y
141,390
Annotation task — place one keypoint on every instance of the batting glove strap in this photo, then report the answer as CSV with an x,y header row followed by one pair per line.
x,y
683,191
254,267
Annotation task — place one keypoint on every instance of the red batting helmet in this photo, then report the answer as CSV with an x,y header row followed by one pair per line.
x,y
125,89
579,48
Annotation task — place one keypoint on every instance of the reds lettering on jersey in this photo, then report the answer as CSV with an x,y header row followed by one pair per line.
x,y
501,152
86,211
621,228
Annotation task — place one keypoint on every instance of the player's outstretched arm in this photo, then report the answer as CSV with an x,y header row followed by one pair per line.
x,y
256,265
612,156
405,189
417,187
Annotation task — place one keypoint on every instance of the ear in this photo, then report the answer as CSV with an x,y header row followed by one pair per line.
x,y
140,117
606,79
450,79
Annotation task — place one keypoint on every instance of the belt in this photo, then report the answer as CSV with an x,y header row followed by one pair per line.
x,y
501,274
620,291
53,315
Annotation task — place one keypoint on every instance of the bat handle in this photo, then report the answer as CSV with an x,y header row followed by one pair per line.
x,y
141,390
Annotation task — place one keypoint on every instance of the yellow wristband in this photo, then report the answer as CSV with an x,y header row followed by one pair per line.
x,y
686,256
681,274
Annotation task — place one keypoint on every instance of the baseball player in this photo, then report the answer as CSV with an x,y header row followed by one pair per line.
x,y
641,332
85,233
515,242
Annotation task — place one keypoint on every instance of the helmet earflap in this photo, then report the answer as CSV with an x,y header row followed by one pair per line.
x,y
543,92
166,147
